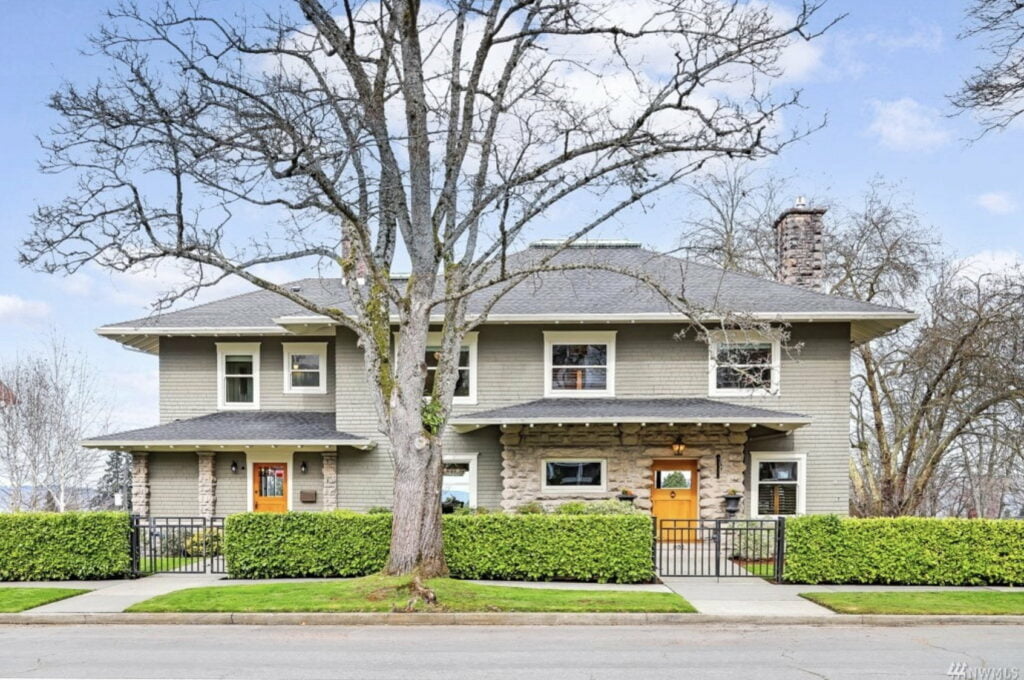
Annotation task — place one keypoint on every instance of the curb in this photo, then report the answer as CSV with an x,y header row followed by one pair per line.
x,y
497,619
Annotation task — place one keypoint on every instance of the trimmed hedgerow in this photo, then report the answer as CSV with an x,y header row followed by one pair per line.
x,y
294,544
50,546
536,547
905,551
494,546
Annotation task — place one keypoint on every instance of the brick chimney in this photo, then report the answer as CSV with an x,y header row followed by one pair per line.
x,y
799,247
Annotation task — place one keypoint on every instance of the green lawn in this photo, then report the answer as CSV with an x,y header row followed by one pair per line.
x,y
148,565
922,602
20,599
385,594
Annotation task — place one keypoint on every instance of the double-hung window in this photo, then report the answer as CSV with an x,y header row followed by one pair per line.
x,y
573,475
305,367
778,483
579,363
743,364
458,487
465,384
238,372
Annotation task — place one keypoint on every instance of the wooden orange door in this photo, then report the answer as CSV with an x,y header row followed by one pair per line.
x,y
674,497
270,487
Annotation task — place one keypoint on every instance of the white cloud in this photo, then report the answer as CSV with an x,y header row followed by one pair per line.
x,y
18,310
990,262
997,202
927,37
906,125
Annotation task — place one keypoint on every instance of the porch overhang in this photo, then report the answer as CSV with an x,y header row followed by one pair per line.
x,y
236,430
680,411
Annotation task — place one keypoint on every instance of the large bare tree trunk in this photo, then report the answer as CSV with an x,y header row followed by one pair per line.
x,y
416,540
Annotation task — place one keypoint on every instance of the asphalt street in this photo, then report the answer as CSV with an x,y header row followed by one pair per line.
x,y
485,652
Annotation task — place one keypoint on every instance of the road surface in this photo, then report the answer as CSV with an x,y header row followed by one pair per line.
x,y
486,652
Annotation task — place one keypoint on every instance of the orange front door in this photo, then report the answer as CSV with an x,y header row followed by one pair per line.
x,y
270,487
674,497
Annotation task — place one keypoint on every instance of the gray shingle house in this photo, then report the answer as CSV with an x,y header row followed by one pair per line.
x,y
576,387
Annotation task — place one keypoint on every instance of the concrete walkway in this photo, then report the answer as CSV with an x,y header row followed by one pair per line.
x,y
116,596
757,597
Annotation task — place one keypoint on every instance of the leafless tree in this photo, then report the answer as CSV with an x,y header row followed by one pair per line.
x,y
936,405
57,404
437,134
995,91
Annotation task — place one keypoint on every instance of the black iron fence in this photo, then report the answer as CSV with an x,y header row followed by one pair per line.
x,y
177,545
720,547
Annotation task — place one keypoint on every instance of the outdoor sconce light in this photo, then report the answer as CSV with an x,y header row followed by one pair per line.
x,y
234,468
678,446
303,468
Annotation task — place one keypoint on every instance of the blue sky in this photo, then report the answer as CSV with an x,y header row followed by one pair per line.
x,y
881,76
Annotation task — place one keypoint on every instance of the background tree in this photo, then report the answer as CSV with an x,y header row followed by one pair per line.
x,y
115,484
57,405
438,136
995,91
936,405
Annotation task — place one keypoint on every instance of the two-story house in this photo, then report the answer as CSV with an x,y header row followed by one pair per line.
x,y
577,386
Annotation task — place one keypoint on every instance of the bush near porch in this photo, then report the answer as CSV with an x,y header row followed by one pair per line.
x,y
904,551
603,548
50,546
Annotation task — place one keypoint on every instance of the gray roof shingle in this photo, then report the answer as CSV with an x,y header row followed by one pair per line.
x,y
555,293
678,410
239,427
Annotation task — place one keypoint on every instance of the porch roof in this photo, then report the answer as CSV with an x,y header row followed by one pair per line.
x,y
236,429
610,410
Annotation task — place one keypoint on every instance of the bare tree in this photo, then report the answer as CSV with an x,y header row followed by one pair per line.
x,y
995,91
441,134
936,405
57,404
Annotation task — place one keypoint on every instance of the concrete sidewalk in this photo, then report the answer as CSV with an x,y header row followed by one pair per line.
x,y
116,596
750,597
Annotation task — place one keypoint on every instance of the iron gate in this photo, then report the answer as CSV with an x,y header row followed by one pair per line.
x,y
177,545
720,547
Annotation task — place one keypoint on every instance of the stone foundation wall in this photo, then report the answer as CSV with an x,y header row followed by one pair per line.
x,y
629,449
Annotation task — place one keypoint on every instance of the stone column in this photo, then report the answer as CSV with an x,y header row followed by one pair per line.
x,y
207,483
330,473
140,483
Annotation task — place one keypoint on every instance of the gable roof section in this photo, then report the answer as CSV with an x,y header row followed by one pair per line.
x,y
234,429
576,294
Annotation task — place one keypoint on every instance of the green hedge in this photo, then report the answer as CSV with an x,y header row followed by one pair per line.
x,y
47,546
524,547
294,544
904,550
550,547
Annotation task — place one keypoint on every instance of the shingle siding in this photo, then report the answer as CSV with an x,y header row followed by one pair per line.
x,y
173,484
650,362
231,486
188,377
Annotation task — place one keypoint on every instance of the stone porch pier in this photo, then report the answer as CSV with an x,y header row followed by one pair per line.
x,y
629,449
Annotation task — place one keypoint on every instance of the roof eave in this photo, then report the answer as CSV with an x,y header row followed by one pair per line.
x,y
189,444
464,424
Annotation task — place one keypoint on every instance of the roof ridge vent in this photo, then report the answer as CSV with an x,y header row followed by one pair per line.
x,y
585,243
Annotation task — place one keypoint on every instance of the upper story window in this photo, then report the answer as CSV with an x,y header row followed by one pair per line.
x,y
238,370
779,485
305,367
465,385
579,363
743,363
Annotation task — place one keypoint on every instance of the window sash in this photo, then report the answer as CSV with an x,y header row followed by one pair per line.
x,y
777,498
239,378
744,366
574,474
589,373
462,383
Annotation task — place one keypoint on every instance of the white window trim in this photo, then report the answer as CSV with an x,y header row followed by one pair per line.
x,y
472,459
718,338
226,348
801,479
552,338
470,342
573,490
317,348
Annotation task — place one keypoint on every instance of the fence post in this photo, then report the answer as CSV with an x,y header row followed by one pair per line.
x,y
133,542
780,548
654,546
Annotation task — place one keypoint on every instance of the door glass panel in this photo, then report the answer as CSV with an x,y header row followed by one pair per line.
x,y
271,482
674,479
